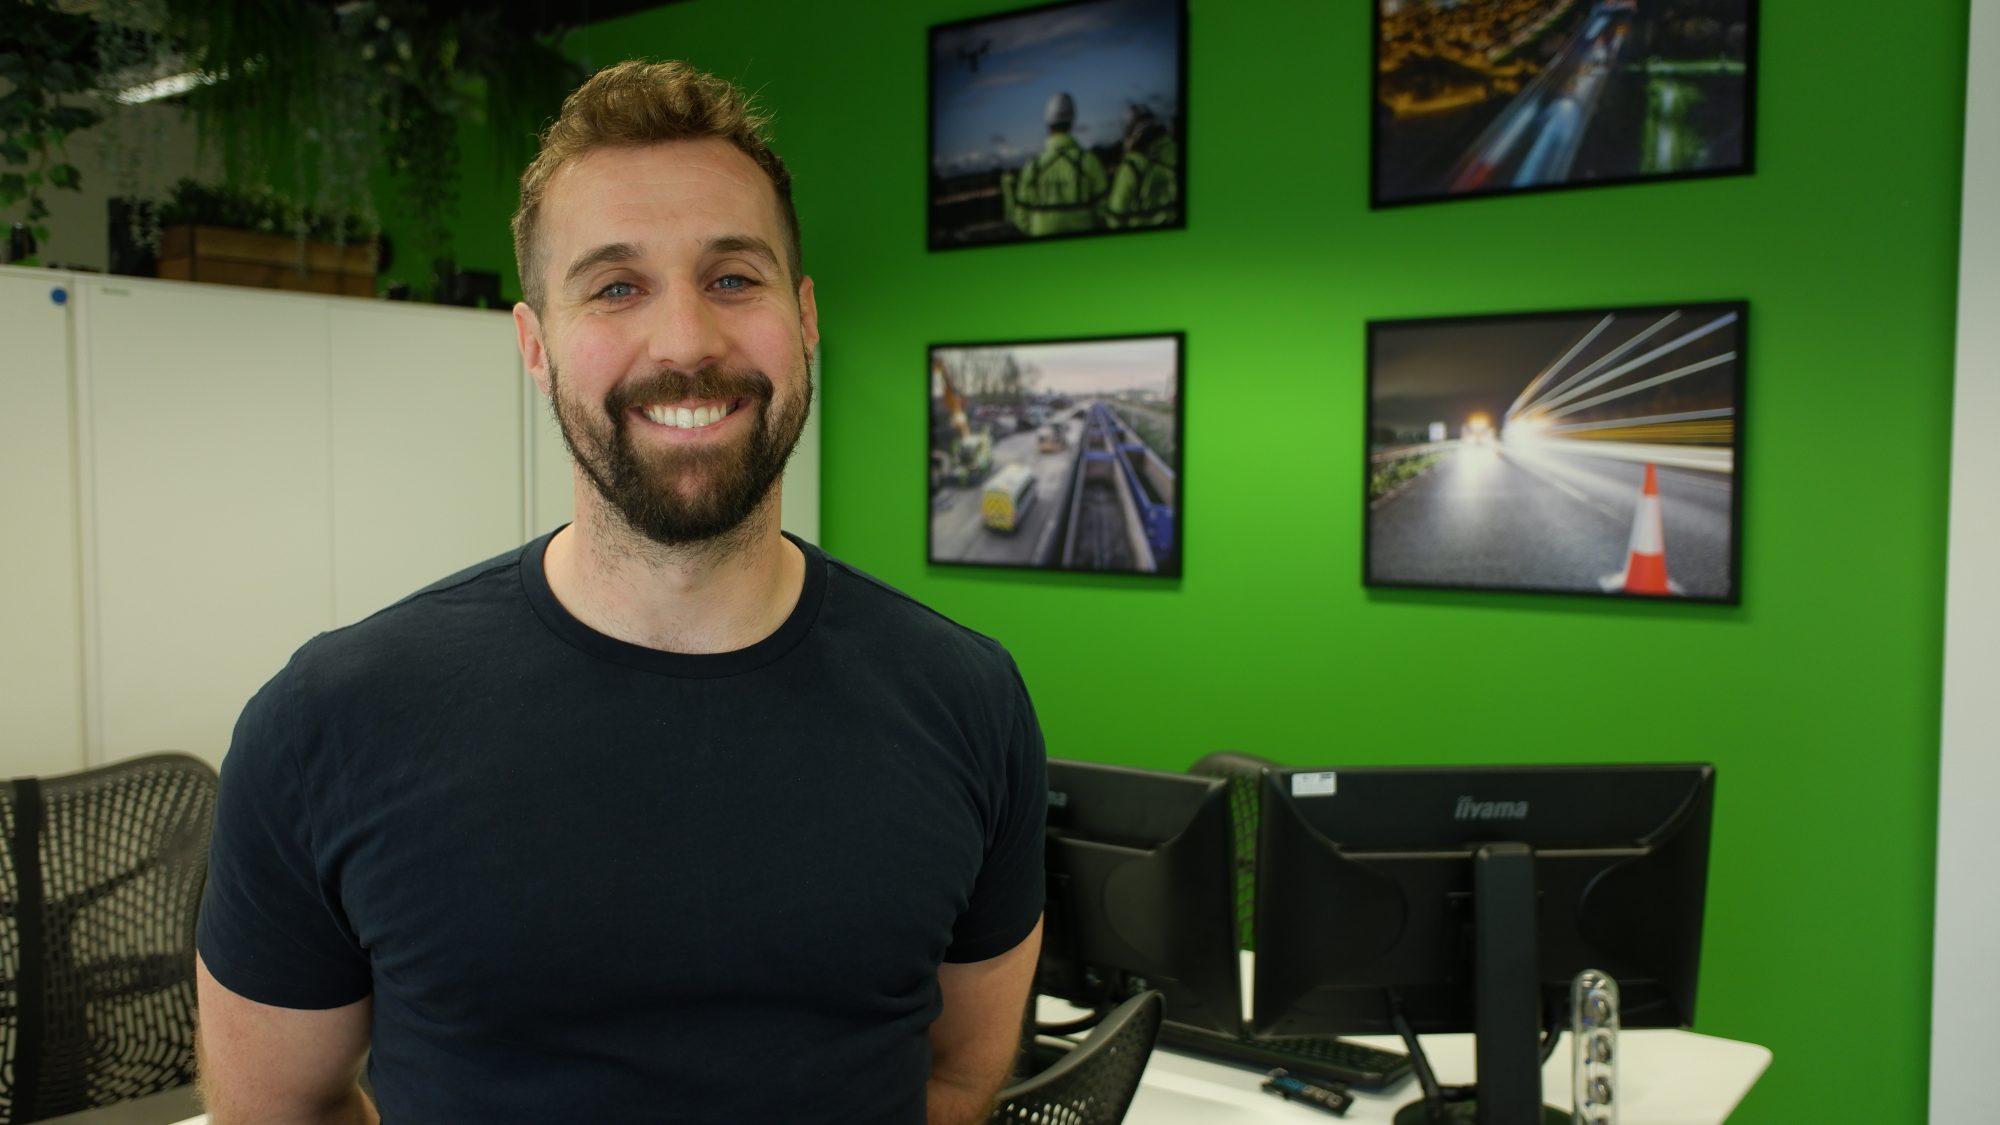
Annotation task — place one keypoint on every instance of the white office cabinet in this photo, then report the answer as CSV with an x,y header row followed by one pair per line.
x,y
801,489
207,508
426,429
41,655
551,500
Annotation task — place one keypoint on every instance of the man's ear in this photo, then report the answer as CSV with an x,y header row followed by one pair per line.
x,y
808,316
534,350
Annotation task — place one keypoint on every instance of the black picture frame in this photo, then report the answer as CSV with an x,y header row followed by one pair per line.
x,y
990,81
1080,427
1546,491
1629,94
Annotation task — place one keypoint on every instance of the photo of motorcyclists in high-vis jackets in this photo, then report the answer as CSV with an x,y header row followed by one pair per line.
x,y
1058,122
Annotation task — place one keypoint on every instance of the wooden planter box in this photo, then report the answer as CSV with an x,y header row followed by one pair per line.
x,y
266,261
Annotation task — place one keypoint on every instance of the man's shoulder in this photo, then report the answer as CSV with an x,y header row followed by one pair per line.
x,y
453,610
881,608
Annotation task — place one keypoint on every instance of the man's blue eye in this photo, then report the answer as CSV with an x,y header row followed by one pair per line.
x,y
612,290
733,281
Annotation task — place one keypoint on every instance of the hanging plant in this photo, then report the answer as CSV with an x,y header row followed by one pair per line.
x,y
49,57
309,99
130,146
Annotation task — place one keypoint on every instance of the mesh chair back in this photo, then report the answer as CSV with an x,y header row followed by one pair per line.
x,y
1243,772
99,893
1093,1084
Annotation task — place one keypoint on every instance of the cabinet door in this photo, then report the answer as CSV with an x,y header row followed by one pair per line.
x,y
41,655
427,447
207,506
551,501
801,486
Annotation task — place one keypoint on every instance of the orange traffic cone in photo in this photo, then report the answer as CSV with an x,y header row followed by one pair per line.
x,y
1646,560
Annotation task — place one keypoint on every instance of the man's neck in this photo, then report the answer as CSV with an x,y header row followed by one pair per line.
x,y
720,596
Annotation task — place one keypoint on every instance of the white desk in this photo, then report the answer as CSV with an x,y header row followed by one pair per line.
x,y
1665,1078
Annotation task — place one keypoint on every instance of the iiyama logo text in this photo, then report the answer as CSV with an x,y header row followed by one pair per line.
x,y
1469,809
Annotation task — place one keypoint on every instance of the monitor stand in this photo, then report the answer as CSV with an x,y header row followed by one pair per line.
x,y
1507,1023
1465,1113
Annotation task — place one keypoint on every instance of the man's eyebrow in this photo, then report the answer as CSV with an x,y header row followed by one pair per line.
x,y
609,252
740,243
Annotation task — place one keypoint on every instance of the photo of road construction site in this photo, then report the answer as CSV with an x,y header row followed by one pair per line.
x,y
1060,121
1590,452
1060,455
1482,96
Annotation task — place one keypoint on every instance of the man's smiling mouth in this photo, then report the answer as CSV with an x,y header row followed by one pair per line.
x,y
690,418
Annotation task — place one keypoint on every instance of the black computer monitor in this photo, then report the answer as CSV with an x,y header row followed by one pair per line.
x,y
1467,899
1141,892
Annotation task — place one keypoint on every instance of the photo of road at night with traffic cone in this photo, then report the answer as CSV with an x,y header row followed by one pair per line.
x,y
1588,452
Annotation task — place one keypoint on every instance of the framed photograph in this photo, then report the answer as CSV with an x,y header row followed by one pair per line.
x,y
1589,452
1532,95
1057,454
1059,122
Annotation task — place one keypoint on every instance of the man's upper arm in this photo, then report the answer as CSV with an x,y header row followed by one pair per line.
x,y
271,928
1012,884
266,1064
978,1028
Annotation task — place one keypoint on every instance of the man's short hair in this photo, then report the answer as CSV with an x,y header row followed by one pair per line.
x,y
638,103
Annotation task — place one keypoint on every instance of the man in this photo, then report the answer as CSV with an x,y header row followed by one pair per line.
x,y
1146,188
666,817
1061,187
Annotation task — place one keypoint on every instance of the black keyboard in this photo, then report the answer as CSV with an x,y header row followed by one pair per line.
x,y
1314,1057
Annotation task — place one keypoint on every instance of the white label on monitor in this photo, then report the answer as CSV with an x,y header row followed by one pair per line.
x,y
1314,784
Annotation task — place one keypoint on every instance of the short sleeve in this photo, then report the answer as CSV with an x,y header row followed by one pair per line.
x,y
269,931
1008,896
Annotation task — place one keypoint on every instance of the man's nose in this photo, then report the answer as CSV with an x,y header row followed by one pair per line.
x,y
685,334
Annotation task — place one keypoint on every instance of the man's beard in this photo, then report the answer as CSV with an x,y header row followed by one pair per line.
x,y
680,496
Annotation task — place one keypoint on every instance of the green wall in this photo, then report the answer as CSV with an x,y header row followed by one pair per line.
x,y
1817,699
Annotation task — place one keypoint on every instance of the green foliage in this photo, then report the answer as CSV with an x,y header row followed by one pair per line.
x,y
316,96
1386,478
194,204
47,55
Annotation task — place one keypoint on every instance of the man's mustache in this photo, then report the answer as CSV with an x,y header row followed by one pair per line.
x,y
665,388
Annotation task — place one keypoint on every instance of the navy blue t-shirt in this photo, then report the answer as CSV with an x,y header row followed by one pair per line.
x,y
584,880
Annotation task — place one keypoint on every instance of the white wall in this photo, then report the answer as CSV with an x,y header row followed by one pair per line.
x,y
1967,960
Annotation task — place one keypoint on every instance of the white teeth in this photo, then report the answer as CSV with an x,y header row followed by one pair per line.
x,y
683,418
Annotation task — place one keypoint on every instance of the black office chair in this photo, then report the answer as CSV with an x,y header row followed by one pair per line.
x,y
1243,772
99,891
1093,1082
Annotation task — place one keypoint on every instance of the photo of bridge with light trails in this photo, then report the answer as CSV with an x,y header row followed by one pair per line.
x,y
1587,452
1482,96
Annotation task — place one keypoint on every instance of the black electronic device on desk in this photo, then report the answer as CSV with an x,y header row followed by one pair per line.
x,y
1142,894
1459,899
1140,883
1311,1056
